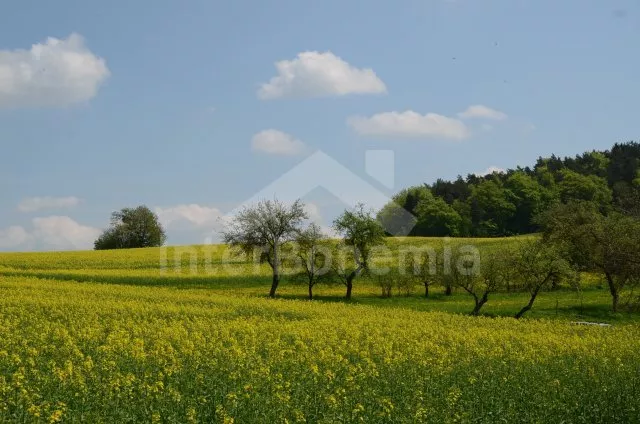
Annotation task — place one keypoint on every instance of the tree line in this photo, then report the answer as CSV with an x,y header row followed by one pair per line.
x,y
506,203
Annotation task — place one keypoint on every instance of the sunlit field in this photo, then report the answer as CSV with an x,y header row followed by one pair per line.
x,y
113,336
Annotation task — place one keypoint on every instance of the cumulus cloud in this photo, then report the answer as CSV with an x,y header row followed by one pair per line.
x,y
57,72
197,215
49,233
276,142
315,216
191,223
482,111
34,204
316,74
409,124
490,170
62,232
13,237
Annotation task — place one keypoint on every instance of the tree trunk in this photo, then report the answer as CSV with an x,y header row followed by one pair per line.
x,y
615,297
554,283
479,303
447,290
426,289
349,288
274,285
276,270
528,306
349,282
310,291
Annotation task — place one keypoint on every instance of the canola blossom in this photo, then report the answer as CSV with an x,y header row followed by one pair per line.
x,y
112,337
85,352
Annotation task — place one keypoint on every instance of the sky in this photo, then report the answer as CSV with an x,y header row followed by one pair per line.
x,y
194,108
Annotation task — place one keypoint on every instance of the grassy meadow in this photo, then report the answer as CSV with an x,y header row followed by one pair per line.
x,y
113,336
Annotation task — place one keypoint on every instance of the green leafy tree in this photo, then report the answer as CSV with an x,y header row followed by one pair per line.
x,y
492,207
609,244
590,188
530,199
437,218
536,265
479,278
421,269
267,227
361,232
132,228
313,252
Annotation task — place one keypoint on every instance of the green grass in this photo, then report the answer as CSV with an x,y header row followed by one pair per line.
x,y
230,274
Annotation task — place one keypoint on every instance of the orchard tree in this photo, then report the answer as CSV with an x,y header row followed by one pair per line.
x,y
266,226
536,266
609,244
422,269
480,276
132,228
361,232
312,250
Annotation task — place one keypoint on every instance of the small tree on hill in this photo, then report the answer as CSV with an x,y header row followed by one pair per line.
x,y
132,228
480,278
609,244
538,265
361,232
266,226
312,250
422,270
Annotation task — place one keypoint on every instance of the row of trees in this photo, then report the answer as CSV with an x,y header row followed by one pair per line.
x,y
269,226
577,237
506,203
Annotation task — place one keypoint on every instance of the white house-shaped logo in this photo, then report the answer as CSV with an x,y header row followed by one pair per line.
x,y
321,170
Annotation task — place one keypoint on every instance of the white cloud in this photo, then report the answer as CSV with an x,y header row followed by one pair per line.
x,y
13,237
482,111
191,223
276,143
33,204
490,170
62,232
58,72
316,74
409,124
315,216
200,216
49,233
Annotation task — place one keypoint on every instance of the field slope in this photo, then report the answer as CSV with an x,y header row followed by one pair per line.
x,y
106,337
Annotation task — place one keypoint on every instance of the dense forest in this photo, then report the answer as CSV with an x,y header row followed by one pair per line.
x,y
507,203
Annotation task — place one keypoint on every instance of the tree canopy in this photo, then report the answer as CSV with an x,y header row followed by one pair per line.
x,y
266,227
361,233
506,203
132,228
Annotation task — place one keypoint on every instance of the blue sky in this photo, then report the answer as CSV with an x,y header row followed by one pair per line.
x,y
181,106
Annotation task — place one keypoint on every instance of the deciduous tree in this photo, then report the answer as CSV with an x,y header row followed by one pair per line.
x,y
132,228
266,226
360,232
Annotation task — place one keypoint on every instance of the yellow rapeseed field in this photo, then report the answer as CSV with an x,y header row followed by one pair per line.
x,y
124,351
